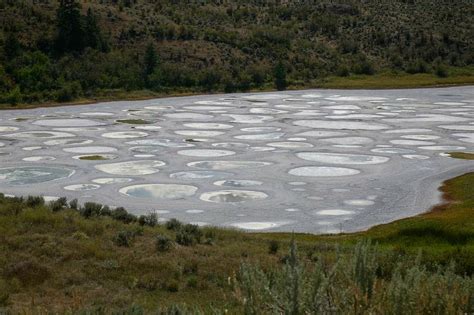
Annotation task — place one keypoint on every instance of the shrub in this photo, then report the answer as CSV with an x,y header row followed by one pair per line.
x,y
163,243
58,205
69,91
120,214
192,282
79,236
34,201
73,204
91,209
351,282
279,73
13,97
123,238
273,247
184,238
441,71
150,219
343,71
188,235
173,225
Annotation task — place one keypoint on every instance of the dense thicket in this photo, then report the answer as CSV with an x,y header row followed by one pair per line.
x,y
61,50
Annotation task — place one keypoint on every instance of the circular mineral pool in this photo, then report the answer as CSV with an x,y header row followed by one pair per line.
x,y
125,134
39,158
322,171
159,191
192,175
90,150
32,175
340,158
227,165
111,180
232,196
205,153
73,122
334,212
82,187
238,183
131,168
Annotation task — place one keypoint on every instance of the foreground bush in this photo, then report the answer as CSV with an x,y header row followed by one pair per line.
x,y
351,285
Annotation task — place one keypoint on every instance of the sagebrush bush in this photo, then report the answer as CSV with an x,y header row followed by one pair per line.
x,y
163,243
58,205
173,224
352,283
34,201
150,219
123,238
273,247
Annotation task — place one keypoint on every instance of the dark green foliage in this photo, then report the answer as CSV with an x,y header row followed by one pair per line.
x,y
123,238
58,205
75,32
91,209
93,33
150,65
73,204
441,71
173,224
120,214
70,49
280,76
188,235
163,243
150,219
273,247
34,201
70,33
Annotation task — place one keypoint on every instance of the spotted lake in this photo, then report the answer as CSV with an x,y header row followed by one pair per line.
x,y
318,161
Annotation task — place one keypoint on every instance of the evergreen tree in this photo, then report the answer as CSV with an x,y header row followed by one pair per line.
x,y
93,34
70,35
12,47
280,76
150,64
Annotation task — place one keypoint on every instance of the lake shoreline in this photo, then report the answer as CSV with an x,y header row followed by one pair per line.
x,y
337,84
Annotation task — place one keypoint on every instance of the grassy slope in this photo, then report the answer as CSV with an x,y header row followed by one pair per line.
x,y
61,261
462,155
391,80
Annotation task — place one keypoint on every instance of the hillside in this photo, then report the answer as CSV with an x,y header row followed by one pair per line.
x,y
95,48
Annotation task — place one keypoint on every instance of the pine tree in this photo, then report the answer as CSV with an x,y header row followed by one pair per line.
x,y
93,34
280,76
70,35
150,64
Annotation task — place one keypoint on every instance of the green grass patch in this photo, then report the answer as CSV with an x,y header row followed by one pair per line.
x,y
93,157
134,121
462,155
390,80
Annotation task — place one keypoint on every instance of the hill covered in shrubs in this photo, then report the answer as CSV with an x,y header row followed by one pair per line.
x,y
70,49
